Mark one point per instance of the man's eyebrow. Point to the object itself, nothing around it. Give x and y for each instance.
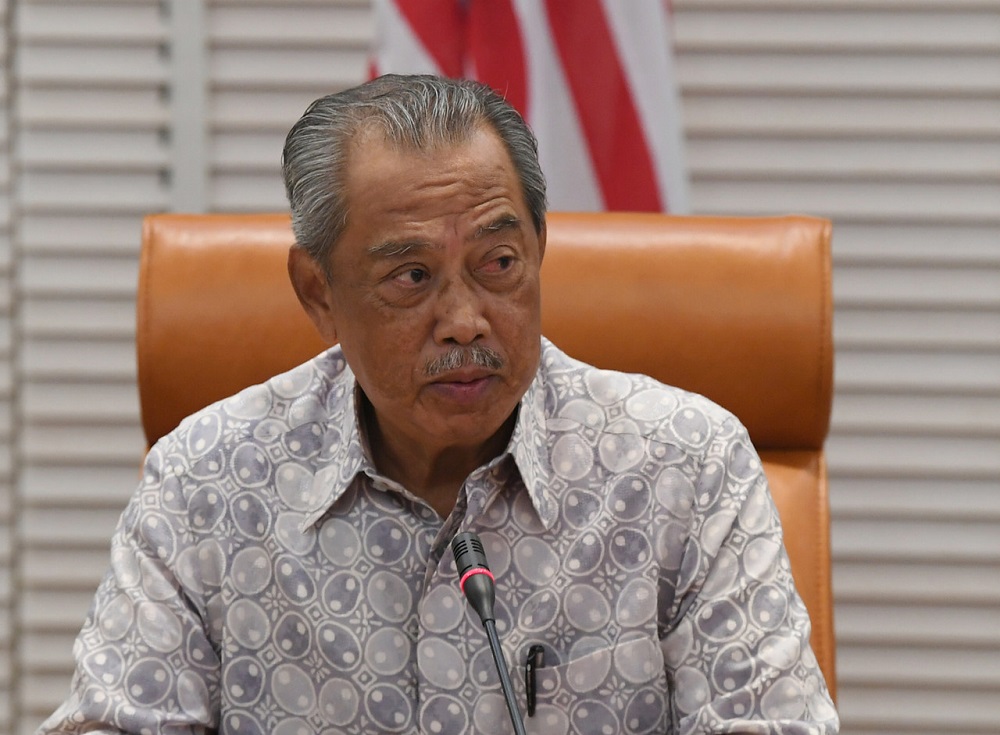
(394, 248)
(501, 223)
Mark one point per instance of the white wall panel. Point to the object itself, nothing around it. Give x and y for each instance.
(92, 157)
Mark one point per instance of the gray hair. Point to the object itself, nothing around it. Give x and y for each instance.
(417, 112)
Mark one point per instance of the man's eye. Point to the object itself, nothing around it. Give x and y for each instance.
(412, 276)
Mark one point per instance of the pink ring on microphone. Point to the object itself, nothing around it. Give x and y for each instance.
(474, 570)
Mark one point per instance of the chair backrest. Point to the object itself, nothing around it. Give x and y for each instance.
(738, 309)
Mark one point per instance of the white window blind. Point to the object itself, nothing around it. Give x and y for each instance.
(91, 159)
(8, 505)
(883, 115)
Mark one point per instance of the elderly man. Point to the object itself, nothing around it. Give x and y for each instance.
(282, 567)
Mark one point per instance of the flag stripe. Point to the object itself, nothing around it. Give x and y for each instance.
(493, 25)
(440, 26)
(603, 101)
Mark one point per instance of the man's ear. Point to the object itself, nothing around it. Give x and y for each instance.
(311, 286)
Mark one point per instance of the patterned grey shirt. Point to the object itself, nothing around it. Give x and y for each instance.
(266, 579)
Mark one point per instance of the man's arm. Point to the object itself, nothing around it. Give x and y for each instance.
(144, 660)
(737, 647)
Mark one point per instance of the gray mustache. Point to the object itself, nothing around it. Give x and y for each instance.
(459, 357)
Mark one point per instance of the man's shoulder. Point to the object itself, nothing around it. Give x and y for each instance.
(629, 402)
(314, 392)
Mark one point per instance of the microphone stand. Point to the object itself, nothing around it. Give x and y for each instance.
(476, 582)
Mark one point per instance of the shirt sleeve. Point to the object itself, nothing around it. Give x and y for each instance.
(145, 662)
(737, 647)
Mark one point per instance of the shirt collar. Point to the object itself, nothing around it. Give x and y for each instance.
(345, 453)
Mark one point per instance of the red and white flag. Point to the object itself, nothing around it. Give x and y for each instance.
(594, 79)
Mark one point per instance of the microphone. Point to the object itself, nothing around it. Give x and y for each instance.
(476, 582)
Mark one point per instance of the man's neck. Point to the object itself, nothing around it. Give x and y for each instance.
(434, 474)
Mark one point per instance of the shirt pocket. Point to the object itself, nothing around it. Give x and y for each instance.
(608, 691)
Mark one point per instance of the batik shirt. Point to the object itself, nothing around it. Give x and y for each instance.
(265, 578)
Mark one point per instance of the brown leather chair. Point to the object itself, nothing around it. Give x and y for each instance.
(736, 309)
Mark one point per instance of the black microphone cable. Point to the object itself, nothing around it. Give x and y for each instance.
(476, 582)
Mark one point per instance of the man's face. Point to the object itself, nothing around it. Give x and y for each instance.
(439, 257)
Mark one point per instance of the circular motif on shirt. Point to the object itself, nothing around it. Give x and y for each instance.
(252, 403)
(441, 609)
(251, 516)
(645, 711)
(636, 604)
(293, 726)
(389, 708)
(303, 441)
(387, 541)
(206, 508)
(115, 619)
(286, 530)
(291, 635)
(678, 645)
(582, 412)
(675, 492)
(628, 498)
(338, 702)
(639, 660)
(250, 466)
(159, 627)
(607, 387)
(732, 668)
(691, 689)
(154, 584)
(572, 458)
(294, 484)
(148, 681)
(743, 463)
(785, 700)
(535, 560)
(629, 549)
(198, 651)
(735, 705)
(293, 579)
(497, 551)
(594, 716)
(691, 427)
(250, 571)
(192, 696)
(244, 723)
(539, 611)
(387, 651)
(389, 597)
(441, 663)
(721, 620)
(621, 451)
(768, 607)
(443, 715)
(293, 689)
(759, 557)
(652, 405)
(586, 608)
(779, 651)
(585, 555)
(293, 383)
(160, 536)
(203, 435)
(581, 507)
(342, 592)
(723, 576)
(339, 645)
(103, 665)
(339, 541)
(248, 624)
(755, 515)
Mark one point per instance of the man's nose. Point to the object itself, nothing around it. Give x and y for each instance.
(460, 314)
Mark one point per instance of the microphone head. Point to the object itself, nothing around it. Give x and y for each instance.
(474, 575)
